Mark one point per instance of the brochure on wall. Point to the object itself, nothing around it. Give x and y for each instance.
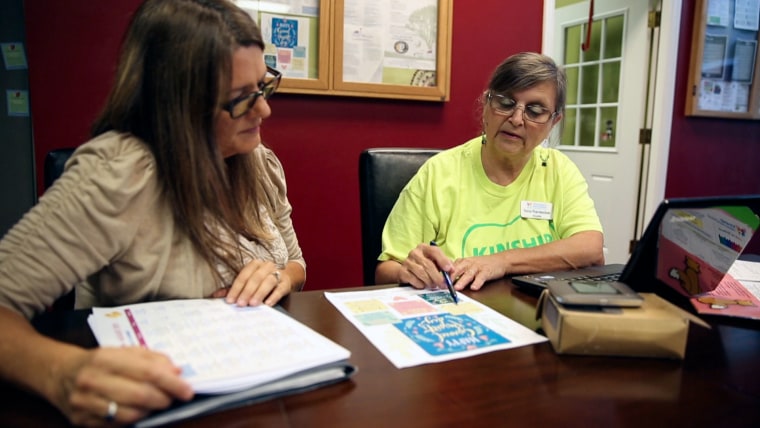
(286, 26)
(412, 327)
(14, 57)
(747, 15)
(718, 12)
(287, 44)
(714, 56)
(17, 102)
(394, 44)
(744, 60)
(719, 95)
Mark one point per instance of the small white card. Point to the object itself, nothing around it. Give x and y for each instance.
(537, 210)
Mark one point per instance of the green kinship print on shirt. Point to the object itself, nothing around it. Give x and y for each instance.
(483, 239)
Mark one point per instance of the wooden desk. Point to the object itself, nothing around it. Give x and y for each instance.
(718, 384)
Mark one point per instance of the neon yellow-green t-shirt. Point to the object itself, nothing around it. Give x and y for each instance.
(452, 201)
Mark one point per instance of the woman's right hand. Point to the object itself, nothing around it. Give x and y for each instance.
(422, 267)
(138, 380)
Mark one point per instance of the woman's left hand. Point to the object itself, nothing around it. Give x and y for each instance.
(258, 282)
(475, 271)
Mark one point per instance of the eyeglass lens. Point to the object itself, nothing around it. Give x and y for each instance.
(243, 104)
(507, 106)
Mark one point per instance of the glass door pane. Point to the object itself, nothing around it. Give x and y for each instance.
(593, 83)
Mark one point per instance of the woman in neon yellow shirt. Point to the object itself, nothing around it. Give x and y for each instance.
(500, 203)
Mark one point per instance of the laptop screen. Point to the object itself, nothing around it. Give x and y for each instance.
(690, 243)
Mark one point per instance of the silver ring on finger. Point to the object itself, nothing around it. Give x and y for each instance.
(113, 407)
(276, 274)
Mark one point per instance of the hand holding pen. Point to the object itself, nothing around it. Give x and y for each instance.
(423, 268)
(447, 278)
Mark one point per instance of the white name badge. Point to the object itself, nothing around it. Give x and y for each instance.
(537, 210)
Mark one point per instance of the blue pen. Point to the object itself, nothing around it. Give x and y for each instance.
(447, 278)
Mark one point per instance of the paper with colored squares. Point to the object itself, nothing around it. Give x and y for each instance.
(412, 327)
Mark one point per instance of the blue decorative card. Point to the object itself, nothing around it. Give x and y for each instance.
(442, 334)
(284, 32)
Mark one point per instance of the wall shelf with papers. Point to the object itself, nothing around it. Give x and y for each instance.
(363, 48)
(724, 67)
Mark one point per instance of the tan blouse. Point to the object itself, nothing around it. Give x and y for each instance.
(105, 227)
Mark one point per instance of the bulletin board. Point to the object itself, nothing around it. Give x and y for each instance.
(364, 48)
(724, 68)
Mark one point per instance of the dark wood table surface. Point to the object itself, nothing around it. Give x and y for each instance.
(717, 384)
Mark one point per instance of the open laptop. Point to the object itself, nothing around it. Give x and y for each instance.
(689, 244)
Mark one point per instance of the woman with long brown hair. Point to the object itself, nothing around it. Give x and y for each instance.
(173, 197)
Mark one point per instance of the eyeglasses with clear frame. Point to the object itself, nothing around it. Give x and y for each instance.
(241, 105)
(506, 106)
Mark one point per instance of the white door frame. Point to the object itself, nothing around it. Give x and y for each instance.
(662, 103)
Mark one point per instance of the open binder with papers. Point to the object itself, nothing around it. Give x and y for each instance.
(232, 356)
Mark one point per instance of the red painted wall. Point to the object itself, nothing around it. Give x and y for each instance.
(72, 48)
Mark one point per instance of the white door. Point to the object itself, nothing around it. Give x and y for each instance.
(607, 87)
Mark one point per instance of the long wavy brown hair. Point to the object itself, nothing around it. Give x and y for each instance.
(173, 74)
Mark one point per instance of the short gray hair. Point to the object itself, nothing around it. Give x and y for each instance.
(527, 69)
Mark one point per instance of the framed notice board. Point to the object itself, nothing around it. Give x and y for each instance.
(724, 68)
(363, 48)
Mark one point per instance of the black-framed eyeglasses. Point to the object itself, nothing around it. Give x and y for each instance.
(506, 106)
(239, 106)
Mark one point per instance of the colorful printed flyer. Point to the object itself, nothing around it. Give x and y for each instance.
(737, 295)
(13, 56)
(17, 102)
(413, 327)
(731, 299)
(698, 246)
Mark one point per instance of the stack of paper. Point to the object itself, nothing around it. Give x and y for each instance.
(245, 353)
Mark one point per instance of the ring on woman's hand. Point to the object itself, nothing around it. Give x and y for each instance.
(277, 275)
(113, 407)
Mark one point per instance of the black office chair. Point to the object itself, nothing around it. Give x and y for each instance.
(55, 160)
(383, 172)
